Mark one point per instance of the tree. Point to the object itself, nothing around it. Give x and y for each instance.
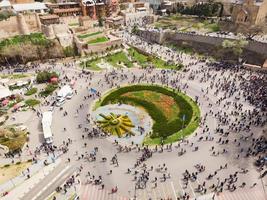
(180, 7)
(100, 22)
(135, 29)
(236, 46)
(253, 31)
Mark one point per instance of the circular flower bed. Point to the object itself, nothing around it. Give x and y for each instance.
(174, 114)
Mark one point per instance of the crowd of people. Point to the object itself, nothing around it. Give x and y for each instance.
(233, 102)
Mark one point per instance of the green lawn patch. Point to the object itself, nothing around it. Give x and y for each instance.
(145, 60)
(92, 65)
(186, 23)
(31, 91)
(116, 60)
(138, 57)
(164, 105)
(98, 40)
(14, 76)
(32, 102)
(50, 88)
(89, 35)
(33, 38)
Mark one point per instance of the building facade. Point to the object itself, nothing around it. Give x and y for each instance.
(250, 13)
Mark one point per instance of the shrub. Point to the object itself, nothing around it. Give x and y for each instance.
(45, 76)
(69, 51)
(50, 88)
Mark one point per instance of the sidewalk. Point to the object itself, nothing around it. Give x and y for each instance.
(21, 185)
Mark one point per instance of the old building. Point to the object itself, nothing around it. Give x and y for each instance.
(114, 22)
(65, 9)
(93, 8)
(136, 13)
(250, 12)
(49, 19)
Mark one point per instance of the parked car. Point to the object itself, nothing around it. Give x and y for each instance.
(60, 102)
(20, 70)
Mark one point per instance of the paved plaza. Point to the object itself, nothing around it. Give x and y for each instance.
(214, 162)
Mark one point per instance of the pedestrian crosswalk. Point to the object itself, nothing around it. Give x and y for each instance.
(249, 194)
(167, 190)
(164, 190)
(94, 192)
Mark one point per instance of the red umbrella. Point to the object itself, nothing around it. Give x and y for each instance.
(5, 102)
(72, 83)
(16, 106)
(54, 80)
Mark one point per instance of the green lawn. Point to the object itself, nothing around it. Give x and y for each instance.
(33, 38)
(114, 59)
(31, 91)
(158, 63)
(50, 88)
(89, 34)
(164, 105)
(14, 76)
(118, 58)
(186, 24)
(138, 57)
(32, 102)
(92, 65)
(145, 60)
(98, 40)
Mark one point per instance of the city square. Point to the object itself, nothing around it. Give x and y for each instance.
(132, 114)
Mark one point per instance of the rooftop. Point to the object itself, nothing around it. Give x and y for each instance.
(45, 17)
(5, 3)
(29, 6)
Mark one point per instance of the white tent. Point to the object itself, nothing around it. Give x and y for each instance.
(64, 91)
(4, 92)
(5, 4)
(23, 7)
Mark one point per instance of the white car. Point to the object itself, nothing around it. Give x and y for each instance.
(69, 96)
(60, 102)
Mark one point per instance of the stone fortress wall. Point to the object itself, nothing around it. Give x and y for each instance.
(10, 27)
(162, 36)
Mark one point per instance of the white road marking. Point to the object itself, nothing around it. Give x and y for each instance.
(173, 189)
(50, 183)
(191, 189)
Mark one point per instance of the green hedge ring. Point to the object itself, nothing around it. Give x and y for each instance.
(175, 115)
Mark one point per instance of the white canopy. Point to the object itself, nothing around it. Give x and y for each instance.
(5, 4)
(29, 6)
(64, 91)
(4, 92)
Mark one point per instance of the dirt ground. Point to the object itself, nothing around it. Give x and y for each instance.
(7, 173)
